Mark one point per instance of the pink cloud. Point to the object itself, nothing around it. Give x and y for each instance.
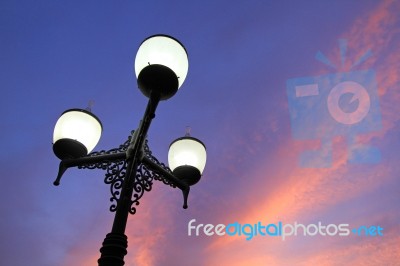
(367, 252)
(287, 192)
(306, 193)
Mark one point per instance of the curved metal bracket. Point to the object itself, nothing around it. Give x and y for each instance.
(114, 161)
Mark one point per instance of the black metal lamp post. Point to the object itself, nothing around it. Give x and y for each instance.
(161, 66)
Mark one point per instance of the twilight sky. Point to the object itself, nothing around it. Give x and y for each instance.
(245, 60)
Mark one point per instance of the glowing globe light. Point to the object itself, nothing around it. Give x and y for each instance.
(76, 134)
(161, 66)
(187, 158)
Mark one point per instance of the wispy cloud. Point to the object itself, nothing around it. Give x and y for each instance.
(307, 193)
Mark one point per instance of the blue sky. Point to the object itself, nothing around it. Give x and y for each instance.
(57, 55)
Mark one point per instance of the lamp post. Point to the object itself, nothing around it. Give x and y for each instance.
(161, 66)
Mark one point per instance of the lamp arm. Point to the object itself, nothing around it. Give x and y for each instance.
(115, 161)
(61, 170)
(90, 161)
(169, 177)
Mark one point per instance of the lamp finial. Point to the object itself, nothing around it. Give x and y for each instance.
(188, 129)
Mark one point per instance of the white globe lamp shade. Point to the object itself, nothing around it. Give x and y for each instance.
(187, 158)
(161, 66)
(76, 134)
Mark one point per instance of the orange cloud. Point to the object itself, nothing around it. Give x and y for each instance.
(304, 193)
(289, 193)
(371, 251)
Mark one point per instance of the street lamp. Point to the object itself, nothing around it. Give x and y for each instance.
(161, 67)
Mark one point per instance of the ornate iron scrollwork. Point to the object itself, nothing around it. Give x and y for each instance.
(115, 178)
(105, 164)
(158, 176)
(144, 178)
(116, 171)
(143, 182)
